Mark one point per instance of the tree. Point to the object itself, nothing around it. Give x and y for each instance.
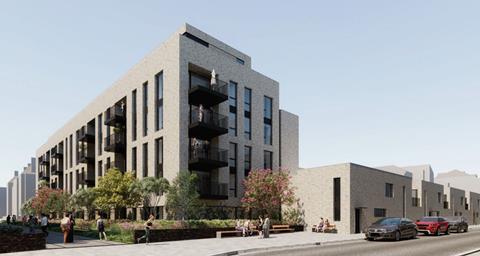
(151, 188)
(84, 198)
(48, 200)
(27, 207)
(267, 190)
(116, 190)
(182, 197)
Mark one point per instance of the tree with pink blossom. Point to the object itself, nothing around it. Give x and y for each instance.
(266, 191)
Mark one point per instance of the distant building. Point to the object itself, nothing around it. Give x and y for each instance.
(459, 179)
(20, 189)
(3, 202)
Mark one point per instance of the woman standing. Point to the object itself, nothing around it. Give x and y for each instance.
(70, 231)
(148, 225)
(260, 227)
(65, 226)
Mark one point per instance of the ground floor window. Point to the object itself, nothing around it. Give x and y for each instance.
(379, 212)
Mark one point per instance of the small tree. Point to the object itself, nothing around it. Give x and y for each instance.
(84, 198)
(151, 189)
(116, 190)
(27, 207)
(267, 190)
(48, 200)
(182, 198)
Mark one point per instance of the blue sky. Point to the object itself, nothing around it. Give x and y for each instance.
(374, 82)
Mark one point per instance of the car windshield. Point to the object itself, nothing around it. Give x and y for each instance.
(429, 219)
(453, 218)
(388, 221)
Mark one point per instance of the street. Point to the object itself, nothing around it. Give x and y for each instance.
(445, 245)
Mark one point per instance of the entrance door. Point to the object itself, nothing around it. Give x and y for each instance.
(357, 220)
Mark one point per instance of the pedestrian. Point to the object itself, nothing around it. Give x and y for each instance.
(25, 220)
(44, 224)
(266, 227)
(260, 227)
(101, 228)
(31, 224)
(319, 227)
(65, 226)
(148, 225)
(8, 219)
(14, 219)
(71, 229)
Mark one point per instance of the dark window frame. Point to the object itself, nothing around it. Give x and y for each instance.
(134, 115)
(336, 199)
(145, 108)
(159, 90)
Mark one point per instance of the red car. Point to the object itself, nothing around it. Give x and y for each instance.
(433, 225)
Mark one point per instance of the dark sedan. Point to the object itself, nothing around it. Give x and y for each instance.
(391, 228)
(458, 224)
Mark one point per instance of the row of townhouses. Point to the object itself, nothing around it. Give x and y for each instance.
(354, 196)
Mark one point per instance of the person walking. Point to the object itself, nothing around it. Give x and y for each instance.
(260, 227)
(44, 224)
(101, 228)
(31, 224)
(14, 219)
(70, 230)
(65, 226)
(266, 227)
(8, 219)
(148, 225)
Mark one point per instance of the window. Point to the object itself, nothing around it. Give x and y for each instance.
(240, 61)
(247, 122)
(108, 165)
(70, 187)
(388, 190)
(439, 197)
(71, 150)
(232, 100)
(232, 163)
(145, 160)
(66, 156)
(134, 115)
(267, 120)
(247, 160)
(461, 200)
(100, 135)
(336, 199)
(159, 158)
(159, 101)
(100, 166)
(267, 159)
(379, 212)
(77, 148)
(77, 177)
(145, 109)
(134, 159)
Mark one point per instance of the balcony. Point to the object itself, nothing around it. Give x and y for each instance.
(85, 158)
(53, 185)
(44, 161)
(115, 116)
(213, 191)
(42, 175)
(115, 143)
(206, 124)
(86, 136)
(56, 170)
(206, 158)
(466, 206)
(208, 95)
(57, 153)
(415, 202)
(445, 205)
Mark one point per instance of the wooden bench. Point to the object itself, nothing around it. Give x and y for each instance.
(229, 233)
(281, 228)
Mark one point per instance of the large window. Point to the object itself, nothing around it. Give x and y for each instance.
(388, 190)
(159, 158)
(100, 168)
(134, 159)
(336, 199)
(134, 115)
(145, 108)
(267, 159)
(100, 135)
(71, 151)
(247, 121)
(439, 197)
(159, 101)
(232, 163)
(267, 120)
(247, 165)
(379, 212)
(232, 100)
(145, 160)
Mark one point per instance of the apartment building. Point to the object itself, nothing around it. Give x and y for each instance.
(21, 188)
(473, 206)
(3, 202)
(193, 104)
(459, 179)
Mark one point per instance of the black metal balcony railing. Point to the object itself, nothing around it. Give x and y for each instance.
(206, 124)
(212, 190)
(55, 169)
(53, 185)
(445, 205)
(415, 201)
(57, 153)
(205, 158)
(208, 95)
(43, 175)
(115, 143)
(44, 161)
(86, 136)
(86, 157)
(115, 116)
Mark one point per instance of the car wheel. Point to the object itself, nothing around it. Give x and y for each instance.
(397, 236)
(414, 234)
(458, 229)
(447, 232)
(437, 232)
(466, 229)
(370, 239)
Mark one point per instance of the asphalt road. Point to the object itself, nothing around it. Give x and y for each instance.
(445, 245)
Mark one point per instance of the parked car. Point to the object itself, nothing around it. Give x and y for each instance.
(391, 228)
(457, 224)
(433, 225)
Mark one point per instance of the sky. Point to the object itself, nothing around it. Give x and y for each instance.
(373, 82)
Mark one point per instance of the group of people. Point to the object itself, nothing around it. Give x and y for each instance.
(248, 227)
(322, 225)
(67, 224)
(31, 221)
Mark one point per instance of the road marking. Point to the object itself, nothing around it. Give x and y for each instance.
(469, 252)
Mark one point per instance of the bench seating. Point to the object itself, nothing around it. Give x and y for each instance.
(281, 228)
(235, 233)
(332, 228)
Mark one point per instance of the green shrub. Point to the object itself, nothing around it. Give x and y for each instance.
(10, 229)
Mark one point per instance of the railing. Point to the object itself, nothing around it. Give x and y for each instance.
(57, 152)
(415, 201)
(212, 189)
(209, 117)
(220, 86)
(445, 205)
(206, 152)
(84, 156)
(114, 113)
(115, 139)
(54, 169)
(86, 135)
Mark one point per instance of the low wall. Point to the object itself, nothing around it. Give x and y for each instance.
(21, 242)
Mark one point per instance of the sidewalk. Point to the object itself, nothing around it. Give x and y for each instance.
(55, 241)
(211, 246)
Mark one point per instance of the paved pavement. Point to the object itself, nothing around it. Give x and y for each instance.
(211, 246)
(445, 245)
(55, 241)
